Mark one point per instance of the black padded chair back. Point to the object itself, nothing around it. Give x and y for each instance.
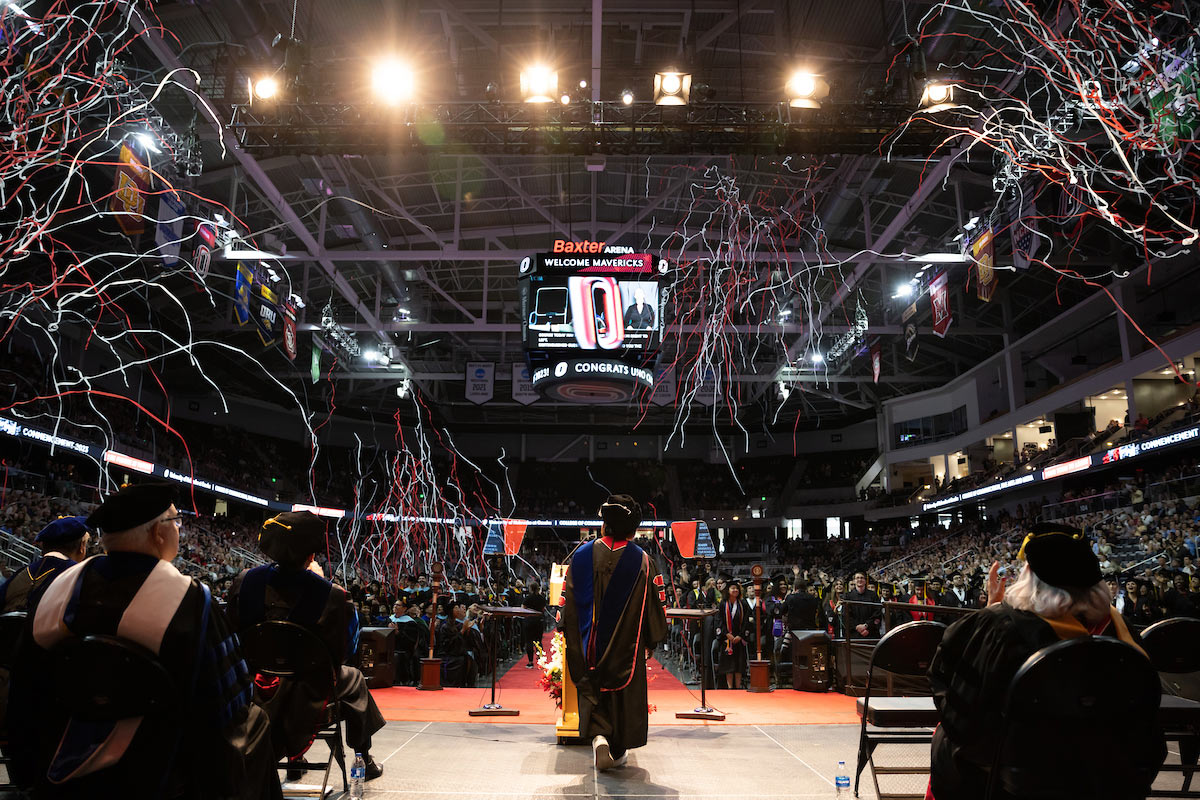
(286, 650)
(106, 678)
(12, 626)
(908, 649)
(1173, 645)
(1072, 706)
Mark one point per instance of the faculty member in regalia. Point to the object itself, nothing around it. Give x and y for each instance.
(216, 745)
(292, 589)
(64, 543)
(1059, 595)
(612, 616)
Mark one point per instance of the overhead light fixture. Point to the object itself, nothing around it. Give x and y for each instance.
(583, 84)
(266, 87)
(672, 88)
(806, 90)
(904, 290)
(971, 223)
(940, 258)
(144, 139)
(817, 358)
(627, 97)
(565, 99)
(393, 81)
(937, 96)
(539, 84)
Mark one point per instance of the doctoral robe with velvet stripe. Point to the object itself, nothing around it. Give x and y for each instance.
(970, 675)
(611, 616)
(224, 749)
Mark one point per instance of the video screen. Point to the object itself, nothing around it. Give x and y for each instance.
(591, 312)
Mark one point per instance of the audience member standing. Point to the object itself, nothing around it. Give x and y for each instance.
(733, 632)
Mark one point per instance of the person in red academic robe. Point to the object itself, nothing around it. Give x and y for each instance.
(612, 615)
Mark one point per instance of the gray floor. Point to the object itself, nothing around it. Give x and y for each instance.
(443, 761)
(485, 761)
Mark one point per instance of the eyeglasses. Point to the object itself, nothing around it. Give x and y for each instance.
(178, 518)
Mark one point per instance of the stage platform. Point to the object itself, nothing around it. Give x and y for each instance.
(449, 761)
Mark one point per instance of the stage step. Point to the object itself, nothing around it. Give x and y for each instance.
(900, 770)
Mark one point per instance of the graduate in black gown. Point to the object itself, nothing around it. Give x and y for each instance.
(612, 616)
(733, 632)
(293, 589)
(64, 543)
(216, 746)
(1059, 595)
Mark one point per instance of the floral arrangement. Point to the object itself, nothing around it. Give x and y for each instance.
(551, 666)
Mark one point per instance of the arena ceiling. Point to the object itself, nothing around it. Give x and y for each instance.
(409, 224)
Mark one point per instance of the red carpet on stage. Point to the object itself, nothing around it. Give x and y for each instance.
(518, 688)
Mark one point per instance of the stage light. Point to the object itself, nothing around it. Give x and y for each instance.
(539, 84)
(937, 96)
(817, 358)
(904, 290)
(806, 90)
(672, 88)
(393, 82)
(147, 142)
(565, 99)
(266, 87)
(583, 84)
(627, 97)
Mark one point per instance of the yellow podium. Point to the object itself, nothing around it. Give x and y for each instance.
(567, 727)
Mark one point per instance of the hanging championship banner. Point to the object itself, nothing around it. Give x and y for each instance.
(983, 252)
(243, 284)
(664, 386)
(910, 340)
(939, 296)
(129, 193)
(168, 235)
(481, 379)
(264, 309)
(289, 331)
(522, 387)
(876, 360)
(314, 366)
(206, 242)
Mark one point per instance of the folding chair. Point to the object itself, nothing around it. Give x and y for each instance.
(289, 651)
(11, 626)
(1056, 734)
(1173, 646)
(121, 681)
(906, 650)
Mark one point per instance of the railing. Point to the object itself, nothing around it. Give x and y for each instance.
(15, 550)
(251, 559)
(1182, 486)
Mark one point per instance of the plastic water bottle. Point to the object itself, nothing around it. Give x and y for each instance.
(841, 781)
(358, 777)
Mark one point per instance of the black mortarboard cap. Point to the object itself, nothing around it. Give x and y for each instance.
(1061, 556)
(291, 537)
(132, 506)
(63, 530)
(622, 514)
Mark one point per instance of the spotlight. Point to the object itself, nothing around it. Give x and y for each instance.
(565, 99)
(806, 90)
(144, 139)
(817, 358)
(393, 82)
(904, 290)
(492, 91)
(539, 84)
(627, 97)
(583, 84)
(672, 88)
(266, 87)
(938, 96)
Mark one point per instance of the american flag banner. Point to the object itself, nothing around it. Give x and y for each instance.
(1024, 231)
